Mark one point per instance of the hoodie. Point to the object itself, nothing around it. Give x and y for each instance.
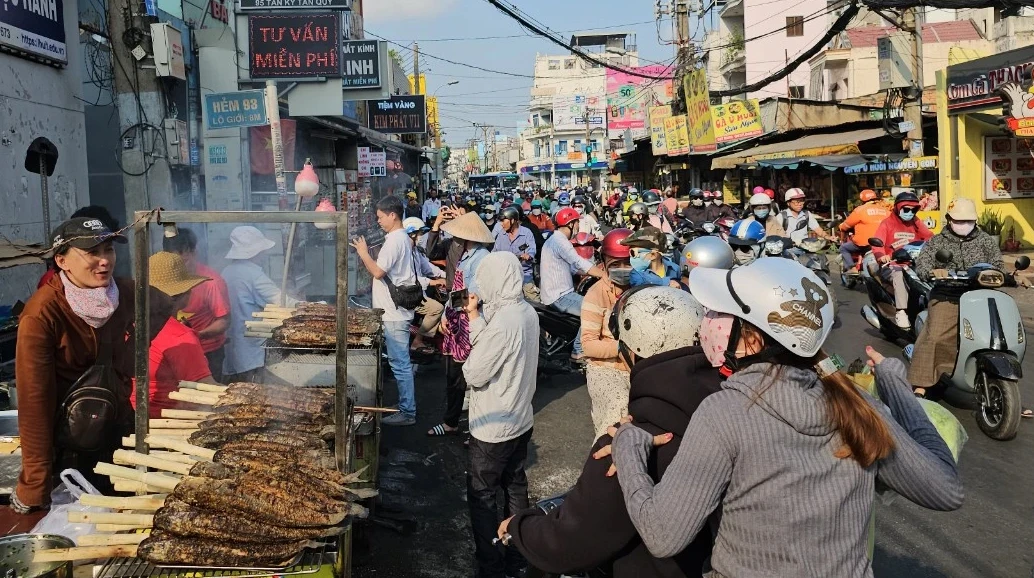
(503, 362)
(763, 449)
(592, 527)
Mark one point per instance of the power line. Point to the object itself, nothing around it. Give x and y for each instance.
(528, 35)
(422, 53)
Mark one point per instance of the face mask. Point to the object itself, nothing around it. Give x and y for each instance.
(744, 258)
(489, 216)
(620, 276)
(580, 210)
(639, 263)
(536, 212)
(717, 202)
(906, 216)
(707, 203)
(963, 228)
(761, 213)
(698, 202)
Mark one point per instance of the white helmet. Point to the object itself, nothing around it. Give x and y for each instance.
(413, 225)
(652, 319)
(780, 297)
(794, 193)
(708, 251)
(760, 199)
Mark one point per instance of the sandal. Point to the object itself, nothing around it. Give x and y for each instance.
(441, 430)
(1027, 413)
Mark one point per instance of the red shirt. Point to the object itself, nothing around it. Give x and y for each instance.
(896, 233)
(208, 301)
(175, 356)
(46, 277)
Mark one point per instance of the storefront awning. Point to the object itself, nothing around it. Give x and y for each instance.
(828, 162)
(813, 145)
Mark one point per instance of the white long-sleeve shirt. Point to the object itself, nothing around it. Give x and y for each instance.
(430, 209)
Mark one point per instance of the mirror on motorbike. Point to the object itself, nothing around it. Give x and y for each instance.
(1022, 263)
(901, 256)
(943, 256)
(874, 242)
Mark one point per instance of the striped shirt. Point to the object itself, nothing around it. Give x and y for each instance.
(598, 343)
(559, 261)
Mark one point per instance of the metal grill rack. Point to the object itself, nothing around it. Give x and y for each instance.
(308, 562)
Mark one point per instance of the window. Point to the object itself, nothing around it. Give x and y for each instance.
(554, 65)
(795, 25)
(538, 149)
(569, 64)
(561, 148)
(797, 91)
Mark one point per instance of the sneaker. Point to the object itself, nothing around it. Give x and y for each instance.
(399, 419)
(901, 319)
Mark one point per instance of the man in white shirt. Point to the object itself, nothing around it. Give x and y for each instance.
(501, 372)
(431, 207)
(796, 221)
(395, 263)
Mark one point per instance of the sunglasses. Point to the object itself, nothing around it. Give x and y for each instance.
(908, 210)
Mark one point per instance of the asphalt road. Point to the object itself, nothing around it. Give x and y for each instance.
(422, 484)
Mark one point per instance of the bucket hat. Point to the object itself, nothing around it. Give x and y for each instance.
(469, 227)
(246, 242)
(168, 273)
(962, 210)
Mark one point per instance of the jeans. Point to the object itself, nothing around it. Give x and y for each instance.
(455, 390)
(895, 275)
(396, 340)
(572, 304)
(495, 466)
(848, 250)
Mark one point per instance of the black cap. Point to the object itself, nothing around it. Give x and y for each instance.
(83, 233)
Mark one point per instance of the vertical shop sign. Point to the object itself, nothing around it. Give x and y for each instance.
(698, 111)
(658, 138)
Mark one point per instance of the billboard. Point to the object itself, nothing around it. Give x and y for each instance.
(294, 45)
(360, 64)
(736, 120)
(36, 28)
(676, 135)
(569, 111)
(698, 111)
(398, 115)
(658, 136)
(629, 97)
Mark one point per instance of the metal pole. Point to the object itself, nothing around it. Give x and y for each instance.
(277, 140)
(914, 107)
(420, 137)
(45, 191)
(142, 335)
(287, 253)
(342, 404)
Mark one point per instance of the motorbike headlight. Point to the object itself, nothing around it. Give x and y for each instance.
(774, 247)
(967, 329)
(708, 227)
(990, 278)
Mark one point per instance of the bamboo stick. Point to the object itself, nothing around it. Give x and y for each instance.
(139, 520)
(114, 527)
(111, 539)
(175, 433)
(151, 502)
(84, 553)
(172, 423)
(163, 481)
(262, 324)
(376, 409)
(180, 446)
(153, 462)
(185, 414)
(198, 397)
(129, 486)
(212, 388)
(259, 334)
(279, 315)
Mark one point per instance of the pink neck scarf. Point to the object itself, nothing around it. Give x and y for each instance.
(94, 306)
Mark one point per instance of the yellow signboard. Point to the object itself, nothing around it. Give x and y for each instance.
(658, 139)
(423, 85)
(698, 115)
(432, 111)
(736, 120)
(676, 135)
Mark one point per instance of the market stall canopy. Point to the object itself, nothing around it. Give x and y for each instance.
(813, 145)
(828, 162)
(14, 253)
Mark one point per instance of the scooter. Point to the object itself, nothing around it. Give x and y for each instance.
(557, 333)
(881, 309)
(991, 346)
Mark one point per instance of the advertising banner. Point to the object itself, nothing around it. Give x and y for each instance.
(979, 82)
(235, 109)
(294, 45)
(360, 64)
(736, 120)
(698, 111)
(569, 111)
(398, 115)
(1008, 169)
(276, 5)
(35, 27)
(363, 156)
(676, 135)
(658, 138)
(630, 97)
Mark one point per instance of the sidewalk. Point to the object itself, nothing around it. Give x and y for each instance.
(1024, 296)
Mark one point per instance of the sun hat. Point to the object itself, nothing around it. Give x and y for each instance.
(83, 233)
(469, 227)
(962, 210)
(168, 274)
(246, 242)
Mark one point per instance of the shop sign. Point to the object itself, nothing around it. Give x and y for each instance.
(294, 45)
(736, 120)
(571, 110)
(360, 64)
(398, 115)
(35, 27)
(235, 109)
(908, 164)
(676, 135)
(363, 154)
(1008, 168)
(378, 164)
(978, 82)
(275, 5)
(698, 112)
(658, 138)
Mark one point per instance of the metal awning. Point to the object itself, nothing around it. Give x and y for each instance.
(14, 253)
(813, 145)
(828, 162)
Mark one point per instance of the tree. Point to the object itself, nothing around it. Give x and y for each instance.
(394, 54)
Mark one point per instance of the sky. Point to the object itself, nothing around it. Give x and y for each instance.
(469, 31)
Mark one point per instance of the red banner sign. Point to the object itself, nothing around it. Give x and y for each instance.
(295, 45)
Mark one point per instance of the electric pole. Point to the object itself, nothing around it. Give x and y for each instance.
(588, 148)
(419, 137)
(913, 112)
(686, 57)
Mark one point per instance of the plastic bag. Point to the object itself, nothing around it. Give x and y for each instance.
(65, 499)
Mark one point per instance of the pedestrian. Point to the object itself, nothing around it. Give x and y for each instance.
(501, 371)
(250, 290)
(517, 239)
(790, 448)
(396, 266)
(430, 208)
(413, 207)
(81, 317)
(89, 211)
(207, 311)
(558, 260)
(470, 240)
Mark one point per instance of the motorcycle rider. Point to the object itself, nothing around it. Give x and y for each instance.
(656, 216)
(636, 217)
(539, 218)
(761, 211)
(695, 212)
(896, 231)
(558, 261)
(488, 213)
(798, 221)
(790, 448)
(650, 266)
(631, 198)
(517, 239)
(718, 209)
(937, 344)
(587, 223)
(670, 377)
(709, 251)
(563, 200)
(747, 238)
(864, 220)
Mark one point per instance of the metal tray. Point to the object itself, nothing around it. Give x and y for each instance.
(307, 562)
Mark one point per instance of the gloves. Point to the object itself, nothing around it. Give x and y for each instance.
(939, 273)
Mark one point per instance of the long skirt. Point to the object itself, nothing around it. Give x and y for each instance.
(608, 391)
(937, 345)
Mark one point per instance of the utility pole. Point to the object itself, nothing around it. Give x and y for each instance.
(913, 112)
(685, 56)
(587, 147)
(419, 137)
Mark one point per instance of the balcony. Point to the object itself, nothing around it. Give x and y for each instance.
(1013, 32)
(732, 9)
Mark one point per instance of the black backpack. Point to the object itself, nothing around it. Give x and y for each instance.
(95, 409)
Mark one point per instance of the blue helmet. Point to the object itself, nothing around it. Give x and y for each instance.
(563, 199)
(746, 232)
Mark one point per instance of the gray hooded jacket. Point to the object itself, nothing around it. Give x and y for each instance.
(789, 506)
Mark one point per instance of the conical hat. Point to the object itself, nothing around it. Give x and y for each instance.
(469, 227)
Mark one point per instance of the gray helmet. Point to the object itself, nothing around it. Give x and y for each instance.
(637, 209)
(709, 252)
(512, 212)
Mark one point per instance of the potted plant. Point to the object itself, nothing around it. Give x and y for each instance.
(1012, 244)
(991, 222)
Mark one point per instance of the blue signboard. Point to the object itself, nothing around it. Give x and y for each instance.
(36, 28)
(235, 109)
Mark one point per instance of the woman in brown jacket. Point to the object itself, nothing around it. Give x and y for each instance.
(59, 334)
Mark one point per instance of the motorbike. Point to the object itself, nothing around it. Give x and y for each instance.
(810, 253)
(991, 347)
(881, 309)
(557, 333)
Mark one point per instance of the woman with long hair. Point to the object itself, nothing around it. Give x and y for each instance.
(790, 448)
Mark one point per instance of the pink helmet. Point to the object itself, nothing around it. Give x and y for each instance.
(758, 189)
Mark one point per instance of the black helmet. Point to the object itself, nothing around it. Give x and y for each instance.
(906, 198)
(512, 212)
(651, 198)
(696, 193)
(578, 200)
